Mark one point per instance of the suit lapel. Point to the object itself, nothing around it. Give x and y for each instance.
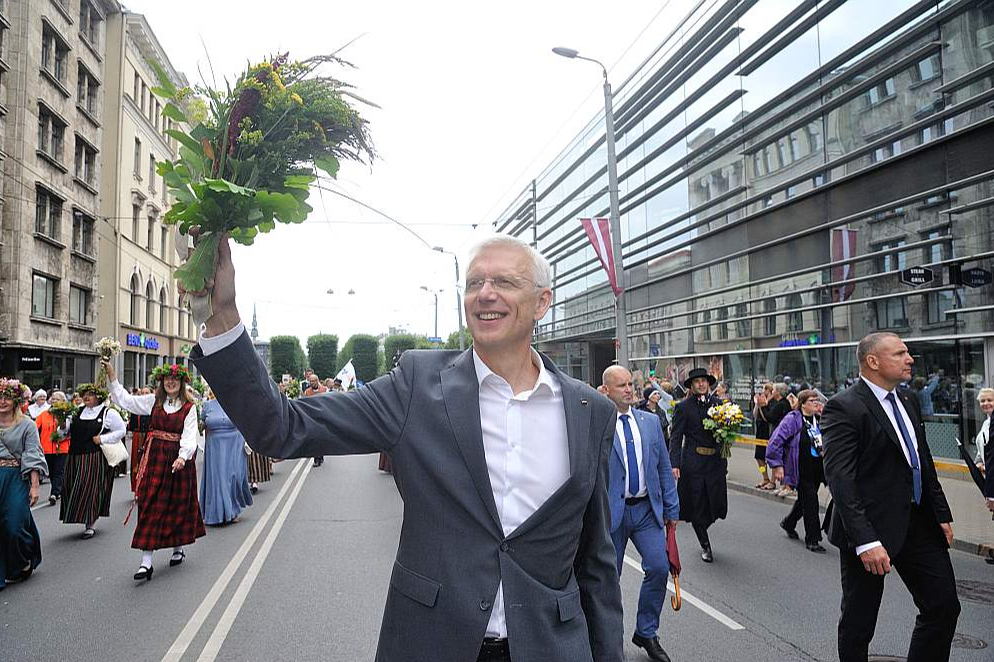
(871, 402)
(643, 434)
(461, 395)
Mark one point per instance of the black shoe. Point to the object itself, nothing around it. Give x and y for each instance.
(144, 573)
(652, 648)
(791, 533)
(51, 500)
(177, 558)
(707, 555)
(254, 488)
(815, 547)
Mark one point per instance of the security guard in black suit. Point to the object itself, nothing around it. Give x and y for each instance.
(699, 468)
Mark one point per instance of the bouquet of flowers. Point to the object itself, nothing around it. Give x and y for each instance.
(251, 160)
(108, 348)
(724, 421)
(292, 389)
(61, 411)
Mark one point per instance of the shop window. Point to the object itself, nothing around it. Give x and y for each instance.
(79, 305)
(130, 369)
(43, 291)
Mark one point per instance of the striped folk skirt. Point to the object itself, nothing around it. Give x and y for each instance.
(168, 509)
(260, 468)
(86, 489)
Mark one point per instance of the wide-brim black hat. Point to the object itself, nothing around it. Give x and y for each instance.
(699, 372)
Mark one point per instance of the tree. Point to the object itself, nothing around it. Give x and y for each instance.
(285, 357)
(322, 354)
(344, 355)
(364, 356)
(395, 345)
(453, 340)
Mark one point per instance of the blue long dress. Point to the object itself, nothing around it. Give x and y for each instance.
(225, 489)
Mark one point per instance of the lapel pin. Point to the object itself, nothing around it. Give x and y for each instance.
(583, 402)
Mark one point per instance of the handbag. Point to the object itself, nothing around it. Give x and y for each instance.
(114, 453)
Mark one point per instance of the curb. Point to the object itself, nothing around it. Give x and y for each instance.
(967, 546)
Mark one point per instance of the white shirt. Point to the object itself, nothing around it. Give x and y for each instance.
(143, 404)
(35, 410)
(113, 423)
(524, 439)
(881, 395)
(619, 428)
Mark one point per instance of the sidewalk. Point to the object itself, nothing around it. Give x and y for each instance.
(972, 523)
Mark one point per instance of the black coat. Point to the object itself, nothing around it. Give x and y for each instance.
(868, 474)
(702, 487)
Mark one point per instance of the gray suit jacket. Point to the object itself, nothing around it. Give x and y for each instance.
(561, 591)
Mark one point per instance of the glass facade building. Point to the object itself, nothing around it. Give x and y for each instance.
(780, 164)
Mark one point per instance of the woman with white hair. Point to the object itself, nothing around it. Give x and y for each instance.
(986, 399)
(55, 445)
(40, 404)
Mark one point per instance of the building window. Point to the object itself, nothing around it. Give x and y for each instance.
(138, 159)
(82, 232)
(43, 291)
(136, 211)
(54, 53)
(79, 305)
(86, 162)
(795, 147)
(151, 233)
(894, 261)
(880, 92)
(892, 313)
(151, 174)
(87, 90)
(180, 316)
(938, 251)
(137, 89)
(89, 22)
(742, 325)
(770, 321)
(927, 69)
(163, 312)
(722, 324)
(706, 329)
(149, 306)
(51, 134)
(784, 151)
(795, 318)
(163, 240)
(48, 213)
(135, 300)
(768, 163)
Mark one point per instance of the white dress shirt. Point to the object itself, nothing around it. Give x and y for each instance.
(143, 404)
(113, 423)
(881, 395)
(619, 428)
(524, 439)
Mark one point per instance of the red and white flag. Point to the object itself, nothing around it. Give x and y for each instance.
(843, 248)
(600, 239)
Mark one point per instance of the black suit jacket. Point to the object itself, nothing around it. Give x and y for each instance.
(868, 474)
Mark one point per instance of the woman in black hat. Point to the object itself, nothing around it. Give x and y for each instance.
(697, 463)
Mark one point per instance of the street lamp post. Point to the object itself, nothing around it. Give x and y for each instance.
(435, 292)
(462, 342)
(621, 318)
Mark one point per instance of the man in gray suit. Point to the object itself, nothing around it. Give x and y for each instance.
(505, 551)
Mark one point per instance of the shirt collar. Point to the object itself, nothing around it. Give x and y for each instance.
(880, 393)
(545, 377)
(630, 413)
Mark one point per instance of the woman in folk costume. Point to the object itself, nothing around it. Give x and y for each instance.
(22, 465)
(89, 480)
(166, 486)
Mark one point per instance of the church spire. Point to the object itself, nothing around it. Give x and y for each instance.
(255, 325)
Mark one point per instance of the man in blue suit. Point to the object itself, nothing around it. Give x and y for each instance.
(642, 501)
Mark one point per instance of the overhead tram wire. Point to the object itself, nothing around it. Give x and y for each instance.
(321, 187)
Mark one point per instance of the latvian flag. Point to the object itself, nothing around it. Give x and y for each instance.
(843, 248)
(600, 237)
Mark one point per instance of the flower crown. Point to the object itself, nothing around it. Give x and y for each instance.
(14, 390)
(175, 370)
(83, 389)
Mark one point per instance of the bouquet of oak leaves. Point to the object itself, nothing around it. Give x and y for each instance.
(251, 155)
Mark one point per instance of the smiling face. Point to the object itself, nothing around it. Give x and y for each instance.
(90, 400)
(6, 406)
(503, 317)
(172, 385)
(986, 402)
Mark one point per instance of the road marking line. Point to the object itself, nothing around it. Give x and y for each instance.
(189, 632)
(697, 602)
(213, 646)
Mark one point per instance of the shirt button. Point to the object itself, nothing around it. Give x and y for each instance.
(484, 604)
(504, 547)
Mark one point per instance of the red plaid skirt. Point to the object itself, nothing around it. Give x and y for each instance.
(168, 510)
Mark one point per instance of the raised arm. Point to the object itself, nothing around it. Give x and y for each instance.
(136, 404)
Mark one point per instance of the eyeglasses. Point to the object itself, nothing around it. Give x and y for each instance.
(499, 283)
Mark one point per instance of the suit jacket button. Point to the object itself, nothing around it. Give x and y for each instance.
(484, 604)
(504, 547)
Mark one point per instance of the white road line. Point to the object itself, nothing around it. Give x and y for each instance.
(697, 602)
(213, 646)
(189, 632)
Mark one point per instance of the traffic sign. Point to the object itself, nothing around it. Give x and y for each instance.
(917, 276)
(976, 277)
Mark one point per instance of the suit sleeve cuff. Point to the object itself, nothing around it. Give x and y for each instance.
(868, 546)
(213, 344)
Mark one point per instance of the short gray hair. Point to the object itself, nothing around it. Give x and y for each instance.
(985, 391)
(781, 388)
(869, 344)
(541, 271)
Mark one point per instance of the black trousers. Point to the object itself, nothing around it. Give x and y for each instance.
(494, 650)
(806, 507)
(924, 566)
(56, 471)
(702, 534)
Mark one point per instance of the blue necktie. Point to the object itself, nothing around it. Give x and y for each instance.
(633, 463)
(916, 470)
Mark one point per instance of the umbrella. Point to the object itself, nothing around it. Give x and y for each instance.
(673, 554)
(978, 477)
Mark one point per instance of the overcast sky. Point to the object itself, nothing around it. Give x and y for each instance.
(473, 105)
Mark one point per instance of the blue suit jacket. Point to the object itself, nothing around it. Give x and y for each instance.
(659, 479)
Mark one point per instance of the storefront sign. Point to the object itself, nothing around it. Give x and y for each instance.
(29, 359)
(813, 339)
(917, 276)
(976, 277)
(142, 341)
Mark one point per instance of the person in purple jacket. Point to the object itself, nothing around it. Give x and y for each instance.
(795, 453)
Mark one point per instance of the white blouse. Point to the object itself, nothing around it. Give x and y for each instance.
(143, 404)
(113, 423)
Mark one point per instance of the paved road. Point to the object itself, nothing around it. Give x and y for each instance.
(304, 577)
